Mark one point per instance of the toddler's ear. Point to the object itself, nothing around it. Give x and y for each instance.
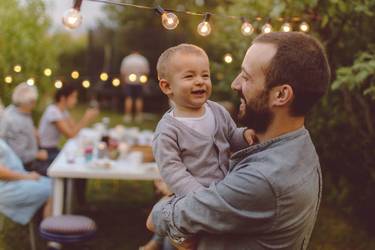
(165, 87)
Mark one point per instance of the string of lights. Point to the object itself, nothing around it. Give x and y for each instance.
(72, 18)
(75, 76)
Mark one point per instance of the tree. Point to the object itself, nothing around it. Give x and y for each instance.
(25, 41)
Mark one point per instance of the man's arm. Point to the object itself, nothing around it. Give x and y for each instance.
(172, 169)
(242, 203)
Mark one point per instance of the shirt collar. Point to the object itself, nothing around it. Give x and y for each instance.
(239, 155)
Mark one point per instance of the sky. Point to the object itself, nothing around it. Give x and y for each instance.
(91, 11)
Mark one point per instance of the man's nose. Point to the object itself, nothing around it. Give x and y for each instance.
(236, 84)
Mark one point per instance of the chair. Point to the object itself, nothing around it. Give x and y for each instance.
(67, 229)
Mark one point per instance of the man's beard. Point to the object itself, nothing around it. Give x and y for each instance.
(257, 115)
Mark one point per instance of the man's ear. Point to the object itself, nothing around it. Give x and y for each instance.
(282, 95)
(165, 87)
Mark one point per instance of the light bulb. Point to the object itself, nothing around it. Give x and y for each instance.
(247, 29)
(286, 27)
(104, 76)
(47, 72)
(30, 82)
(169, 20)
(204, 28)
(304, 27)
(58, 84)
(143, 79)
(116, 82)
(17, 68)
(132, 77)
(228, 58)
(72, 18)
(86, 84)
(267, 28)
(8, 79)
(75, 74)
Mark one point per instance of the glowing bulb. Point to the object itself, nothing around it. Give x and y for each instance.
(228, 58)
(8, 79)
(86, 84)
(104, 76)
(75, 74)
(30, 82)
(143, 79)
(116, 82)
(286, 27)
(169, 20)
(17, 68)
(58, 84)
(132, 77)
(47, 72)
(204, 28)
(247, 29)
(72, 18)
(267, 28)
(304, 27)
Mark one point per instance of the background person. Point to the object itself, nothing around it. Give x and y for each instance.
(18, 130)
(133, 67)
(56, 120)
(22, 193)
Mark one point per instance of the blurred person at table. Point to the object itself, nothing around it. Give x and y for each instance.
(18, 130)
(56, 120)
(22, 193)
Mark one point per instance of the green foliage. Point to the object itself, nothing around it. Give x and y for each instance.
(358, 77)
(24, 40)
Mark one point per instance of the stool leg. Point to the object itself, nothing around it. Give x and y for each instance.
(32, 235)
(69, 196)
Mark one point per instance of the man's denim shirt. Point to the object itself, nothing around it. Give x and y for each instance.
(268, 200)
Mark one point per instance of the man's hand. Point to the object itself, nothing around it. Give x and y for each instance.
(188, 244)
(162, 187)
(149, 224)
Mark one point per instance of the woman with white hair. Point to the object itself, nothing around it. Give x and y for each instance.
(18, 130)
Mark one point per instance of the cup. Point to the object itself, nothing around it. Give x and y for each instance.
(70, 155)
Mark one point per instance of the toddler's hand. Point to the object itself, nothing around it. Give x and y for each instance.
(250, 136)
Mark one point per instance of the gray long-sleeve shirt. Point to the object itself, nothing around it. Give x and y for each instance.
(268, 200)
(17, 129)
(189, 160)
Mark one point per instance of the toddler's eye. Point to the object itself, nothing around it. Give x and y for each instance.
(188, 76)
(206, 76)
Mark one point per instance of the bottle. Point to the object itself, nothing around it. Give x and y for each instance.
(105, 136)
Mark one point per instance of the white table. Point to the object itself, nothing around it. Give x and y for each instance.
(60, 169)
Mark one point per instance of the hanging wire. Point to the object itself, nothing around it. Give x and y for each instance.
(170, 10)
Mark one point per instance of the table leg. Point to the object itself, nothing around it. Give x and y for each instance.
(58, 196)
(69, 195)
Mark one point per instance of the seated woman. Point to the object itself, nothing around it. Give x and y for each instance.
(22, 193)
(56, 119)
(18, 130)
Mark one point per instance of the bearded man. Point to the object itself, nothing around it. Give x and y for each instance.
(270, 197)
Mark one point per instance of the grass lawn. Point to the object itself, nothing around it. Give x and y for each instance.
(120, 209)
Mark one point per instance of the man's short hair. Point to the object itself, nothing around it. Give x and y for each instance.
(65, 91)
(300, 61)
(24, 94)
(164, 59)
